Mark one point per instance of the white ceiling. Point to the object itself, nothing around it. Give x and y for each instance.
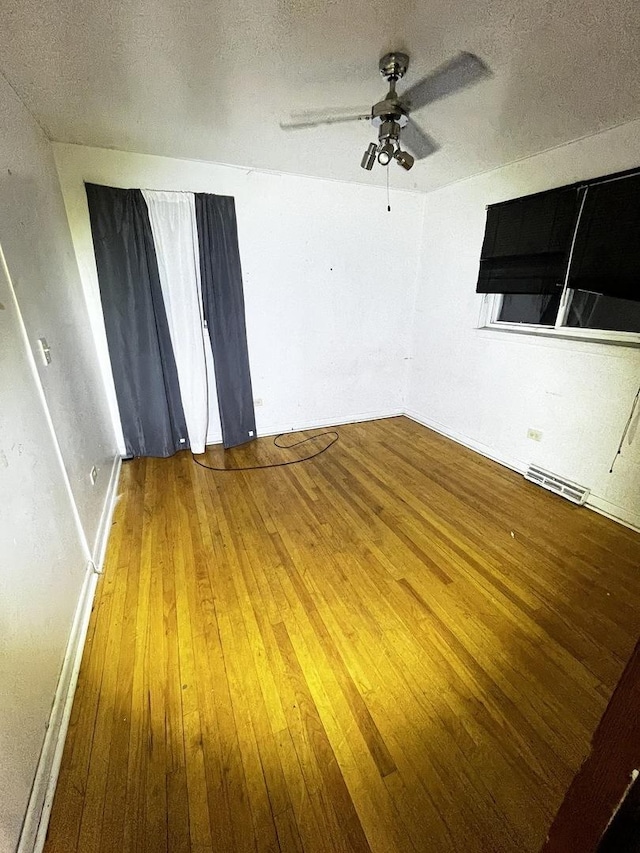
(211, 80)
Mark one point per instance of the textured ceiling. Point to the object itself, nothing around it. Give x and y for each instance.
(211, 80)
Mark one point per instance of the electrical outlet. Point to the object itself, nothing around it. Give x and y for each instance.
(534, 434)
(93, 475)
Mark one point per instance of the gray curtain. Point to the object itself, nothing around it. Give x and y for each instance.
(144, 368)
(223, 300)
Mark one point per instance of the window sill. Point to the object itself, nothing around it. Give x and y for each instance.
(625, 339)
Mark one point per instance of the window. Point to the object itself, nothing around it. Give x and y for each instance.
(584, 310)
(566, 261)
(595, 311)
(539, 309)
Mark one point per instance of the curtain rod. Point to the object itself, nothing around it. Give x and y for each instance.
(152, 190)
(155, 189)
(182, 192)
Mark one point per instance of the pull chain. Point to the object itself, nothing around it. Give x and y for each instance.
(388, 202)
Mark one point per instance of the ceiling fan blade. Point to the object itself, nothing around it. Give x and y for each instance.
(463, 70)
(329, 112)
(416, 141)
(315, 119)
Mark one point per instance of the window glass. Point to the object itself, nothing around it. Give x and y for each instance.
(537, 309)
(594, 311)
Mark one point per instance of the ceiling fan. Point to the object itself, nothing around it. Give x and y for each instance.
(392, 115)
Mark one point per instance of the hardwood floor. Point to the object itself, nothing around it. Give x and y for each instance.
(397, 646)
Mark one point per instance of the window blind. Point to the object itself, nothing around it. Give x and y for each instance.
(606, 255)
(527, 243)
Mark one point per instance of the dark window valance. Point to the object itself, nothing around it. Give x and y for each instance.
(606, 256)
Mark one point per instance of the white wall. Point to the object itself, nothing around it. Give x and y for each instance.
(39, 253)
(487, 388)
(41, 570)
(49, 508)
(327, 278)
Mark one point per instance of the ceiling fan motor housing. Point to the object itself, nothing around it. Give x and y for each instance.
(388, 110)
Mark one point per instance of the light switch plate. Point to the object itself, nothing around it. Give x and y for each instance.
(45, 350)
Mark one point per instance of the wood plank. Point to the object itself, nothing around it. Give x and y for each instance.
(397, 646)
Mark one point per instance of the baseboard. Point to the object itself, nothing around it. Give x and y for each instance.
(104, 527)
(597, 504)
(34, 829)
(301, 426)
(615, 512)
(483, 449)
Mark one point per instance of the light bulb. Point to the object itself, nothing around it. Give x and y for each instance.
(385, 154)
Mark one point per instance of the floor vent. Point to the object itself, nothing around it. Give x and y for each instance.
(565, 488)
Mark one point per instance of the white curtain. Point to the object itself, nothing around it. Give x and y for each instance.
(175, 235)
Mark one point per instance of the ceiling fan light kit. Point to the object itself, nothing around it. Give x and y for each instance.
(389, 117)
(392, 115)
